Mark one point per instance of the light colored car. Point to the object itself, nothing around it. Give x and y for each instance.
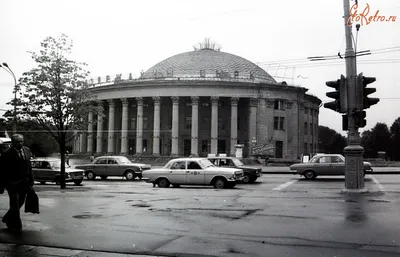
(193, 171)
(325, 165)
(49, 170)
(105, 166)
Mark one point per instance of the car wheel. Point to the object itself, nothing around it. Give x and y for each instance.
(219, 183)
(77, 182)
(90, 175)
(57, 180)
(309, 174)
(163, 182)
(129, 175)
(246, 178)
(42, 182)
(103, 177)
(252, 180)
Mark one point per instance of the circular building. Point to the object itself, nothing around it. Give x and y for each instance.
(201, 102)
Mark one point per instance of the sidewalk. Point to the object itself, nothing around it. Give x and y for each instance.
(7, 250)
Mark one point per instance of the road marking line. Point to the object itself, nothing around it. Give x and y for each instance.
(285, 185)
(377, 182)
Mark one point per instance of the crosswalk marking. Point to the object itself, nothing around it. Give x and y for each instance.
(285, 185)
(377, 183)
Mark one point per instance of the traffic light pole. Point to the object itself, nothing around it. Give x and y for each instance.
(354, 174)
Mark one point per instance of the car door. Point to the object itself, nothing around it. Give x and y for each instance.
(324, 166)
(337, 166)
(100, 167)
(45, 171)
(195, 174)
(176, 172)
(112, 168)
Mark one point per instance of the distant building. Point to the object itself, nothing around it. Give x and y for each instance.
(200, 102)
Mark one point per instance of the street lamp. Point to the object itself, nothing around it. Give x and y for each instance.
(15, 94)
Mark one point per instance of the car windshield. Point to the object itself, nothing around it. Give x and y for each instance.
(123, 159)
(237, 162)
(314, 159)
(206, 163)
(57, 164)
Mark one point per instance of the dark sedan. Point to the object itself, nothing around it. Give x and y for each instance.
(49, 170)
(105, 166)
(250, 173)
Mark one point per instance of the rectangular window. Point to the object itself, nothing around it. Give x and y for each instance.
(311, 129)
(279, 123)
(276, 122)
(145, 123)
(188, 122)
(305, 148)
(278, 105)
(305, 128)
(305, 110)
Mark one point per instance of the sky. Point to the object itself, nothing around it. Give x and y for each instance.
(128, 36)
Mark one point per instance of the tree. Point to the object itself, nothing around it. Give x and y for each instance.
(330, 141)
(55, 93)
(378, 139)
(395, 140)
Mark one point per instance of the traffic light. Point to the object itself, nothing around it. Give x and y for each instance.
(360, 120)
(362, 83)
(340, 95)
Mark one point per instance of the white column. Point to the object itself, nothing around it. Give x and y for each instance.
(252, 124)
(214, 124)
(124, 127)
(111, 132)
(156, 126)
(90, 132)
(195, 126)
(175, 126)
(139, 126)
(99, 143)
(234, 127)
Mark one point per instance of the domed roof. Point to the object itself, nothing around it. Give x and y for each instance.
(207, 63)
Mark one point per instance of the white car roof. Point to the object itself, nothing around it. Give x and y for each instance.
(188, 159)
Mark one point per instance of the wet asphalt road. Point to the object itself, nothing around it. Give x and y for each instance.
(280, 215)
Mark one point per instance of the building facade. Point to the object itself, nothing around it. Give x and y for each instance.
(201, 102)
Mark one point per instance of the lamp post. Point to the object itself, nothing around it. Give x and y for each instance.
(4, 66)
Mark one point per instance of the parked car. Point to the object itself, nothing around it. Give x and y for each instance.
(324, 165)
(105, 166)
(49, 170)
(193, 171)
(250, 174)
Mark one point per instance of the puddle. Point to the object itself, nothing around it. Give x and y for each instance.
(87, 216)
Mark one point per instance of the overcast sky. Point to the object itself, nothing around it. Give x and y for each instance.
(127, 36)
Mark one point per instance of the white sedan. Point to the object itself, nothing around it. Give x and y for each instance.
(193, 171)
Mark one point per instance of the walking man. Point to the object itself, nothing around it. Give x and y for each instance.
(16, 178)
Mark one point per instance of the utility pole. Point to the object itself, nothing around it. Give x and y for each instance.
(354, 173)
